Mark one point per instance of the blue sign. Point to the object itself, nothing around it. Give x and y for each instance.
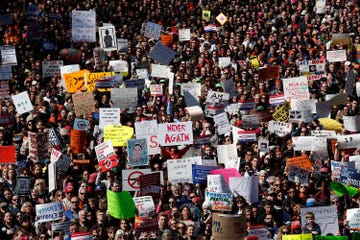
(200, 173)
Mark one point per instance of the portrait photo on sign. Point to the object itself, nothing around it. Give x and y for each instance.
(108, 38)
(137, 152)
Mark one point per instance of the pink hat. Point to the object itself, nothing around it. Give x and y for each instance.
(69, 188)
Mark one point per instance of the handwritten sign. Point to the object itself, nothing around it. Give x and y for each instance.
(279, 128)
(48, 212)
(118, 135)
(152, 30)
(91, 78)
(145, 206)
(148, 130)
(219, 201)
(296, 88)
(8, 55)
(83, 26)
(109, 116)
(184, 34)
(180, 170)
(78, 141)
(52, 68)
(75, 81)
(325, 216)
(22, 102)
(248, 187)
(172, 134)
(83, 103)
(162, 53)
(228, 226)
(336, 56)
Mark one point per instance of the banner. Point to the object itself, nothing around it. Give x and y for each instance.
(180, 170)
(78, 141)
(51, 68)
(137, 152)
(172, 134)
(106, 156)
(325, 216)
(83, 26)
(7, 154)
(49, 212)
(38, 146)
(229, 226)
(247, 187)
(145, 206)
(118, 135)
(83, 103)
(120, 204)
(296, 88)
(22, 102)
(219, 201)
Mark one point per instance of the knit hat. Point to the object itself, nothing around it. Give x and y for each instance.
(295, 225)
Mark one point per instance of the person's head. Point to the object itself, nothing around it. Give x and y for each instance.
(310, 217)
(124, 225)
(190, 230)
(120, 234)
(115, 186)
(186, 213)
(110, 231)
(137, 151)
(181, 227)
(175, 189)
(82, 216)
(82, 194)
(74, 201)
(162, 220)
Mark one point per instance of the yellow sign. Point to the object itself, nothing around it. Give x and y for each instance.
(118, 134)
(282, 114)
(92, 77)
(255, 62)
(306, 236)
(221, 18)
(206, 14)
(75, 81)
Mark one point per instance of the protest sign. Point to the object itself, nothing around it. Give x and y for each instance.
(180, 170)
(325, 216)
(148, 130)
(222, 19)
(131, 178)
(216, 183)
(4, 90)
(306, 236)
(249, 121)
(224, 62)
(340, 38)
(350, 176)
(313, 68)
(303, 143)
(230, 87)
(120, 204)
(226, 173)
(83, 103)
(297, 116)
(279, 128)
(204, 161)
(282, 114)
(302, 104)
(51, 68)
(160, 71)
(263, 145)
(214, 98)
(150, 185)
(23, 185)
(301, 161)
(323, 109)
(49, 212)
(205, 15)
(83, 26)
(75, 81)
(92, 77)
(8, 55)
(248, 187)
(227, 154)
(51, 169)
(137, 152)
(193, 90)
(78, 141)
(219, 201)
(167, 39)
(61, 226)
(296, 88)
(352, 123)
(348, 141)
(162, 54)
(68, 69)
(124, 98)
(184, 34)
(70, 55)
(22, 102)
(268, 73)
(200, 173)
(319, 237)
(108, 116)
(122, 45)
(7, 154)
(99, 57)
(38, 146)
(222, 123)
(259, 231)
(81, 124)
(353, 217)
(106, 156)
(172, 134)
(228, 226)
(118, 135)
(107, 38)
(145, 206)
(156, 90)
(63, 163)
(104, 84)
(322, 133)
(196, 113)
(145, 224)
(336, 56)
(5, 72)
(320, 6)
(299, 175)
(152, 30)
(81, 236)
(336, 99)
(120, 66)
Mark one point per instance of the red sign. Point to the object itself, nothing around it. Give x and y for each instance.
(7, 154)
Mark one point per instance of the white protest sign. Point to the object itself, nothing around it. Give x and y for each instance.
(68, 69)
(184, 34)
(49, 212)
(22, 102)
(224, 62)
(83, 26)
(193, 88)
(125, 98)
(55, 155)
(180, 170)
(336, 56)
(353, 217)
(122, 45)
(312, 68)
(320, 6)
(131, 178)
(160, 71)
(148, 130)
(227, 154)
(145, 206)
(8, 55)
(172, 134)
(51, 176)
(222, 122)
(216, 183)
(104, 151)
(250, 121)
(247, 187)
(325, 216)
(322, 133)
(358, 89)
(142, 73)
(279, 128)
(215, 98)
(296, 88)
(152, 30)
(107, 38)
(303, 143)
(348, 141)
(352, 123)
(108, 116)
(297, 174)
(302, 104)
(156, 89)
(52, 68)
(296, 116)
(119, 66)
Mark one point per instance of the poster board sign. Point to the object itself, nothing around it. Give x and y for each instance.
(172, 134)
(353, 217)
(81, 124)
(268, 73)
(320, 6)
(306, 236)
(83, 103)
(4, 90)
(221, 18)
(279, 128)
(106, 156)
(325, 216)
(148, 130)
(83, 26)
(61, 226)
(184, 34)
(299, 175)
(108, 116)
(336, 56)
(51, 68)
(302, 104)
(78, 141)
(352, 123)
(152, 30)
(5, 72)
(191, 92)
(160, 71)
(228, 226)
(68, 69)
(303, 143)
(200, 173)
(145, 206)
(107, 36)
(23, 185)
(48, 212)
(122, 204)
(156, 89)
(8, 55)
(145, 224)
(131, 178)
(150, 185)
(227, 154)
(350, 176)
(162, 54)
(38, 146)
(7, 154)
(282, 114)
(92, 77)
(22, 102)
(118, 135)
(250, 121)
(219, 201)
(214, 98)
(301, 161)
(277, 99)
(75, 81)
(81, 236)
(296, 88)
(122, 45)
(297, 116)
(247, 187)
(224, 62)
(180, 170)
(119, 66)
(312, 68)
(52, 180)
(216, 183)
(125, 98)
(137, 152)
(222, 122)
(340, 38)
(99, 57)
(348, 141)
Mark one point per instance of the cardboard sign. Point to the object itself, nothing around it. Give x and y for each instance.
(228, 226)
(269, 73)
(78, 141)
(131, 178)
(172, 134)
(180, 170)
(107, 37)
(23, 185)
(336, 56)
(148, 130)
(108, 116)
(52, 68)
(22, 102)
(152, 30)
(145, 206)
(296, 88)
(83, 103)
(38, 146)
(162, 54)
(137, 152)
(106, 156)
(325, 216)
(75, 81)
(49, 212)
(83, 26)
(118, 135)
(7, 154)
(219, 201)
(248, 187)
(150, 185)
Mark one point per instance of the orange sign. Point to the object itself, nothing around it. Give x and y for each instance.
(78, 141)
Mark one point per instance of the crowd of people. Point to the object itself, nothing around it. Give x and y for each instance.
(276, 33)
